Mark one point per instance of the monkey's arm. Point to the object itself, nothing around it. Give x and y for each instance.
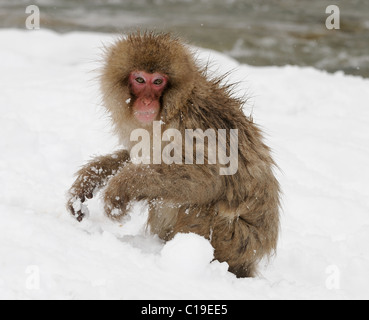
(92, 177)
(178, 184)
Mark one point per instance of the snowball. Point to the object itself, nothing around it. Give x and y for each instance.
(187, 254)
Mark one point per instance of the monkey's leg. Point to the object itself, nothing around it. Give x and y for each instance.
(238, 244)
(242, 236)
(91, 178)
(179, 185)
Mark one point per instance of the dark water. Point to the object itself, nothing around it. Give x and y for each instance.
(255, 32)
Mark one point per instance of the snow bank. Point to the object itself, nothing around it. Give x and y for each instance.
(51, 122)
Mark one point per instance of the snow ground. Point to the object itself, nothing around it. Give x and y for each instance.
(51, 122)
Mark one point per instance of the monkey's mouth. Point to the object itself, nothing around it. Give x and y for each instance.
(146, 117)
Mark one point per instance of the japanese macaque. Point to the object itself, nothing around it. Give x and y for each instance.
(150, 79)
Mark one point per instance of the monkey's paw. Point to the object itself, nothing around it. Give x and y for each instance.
(115, 206)
(77, 207)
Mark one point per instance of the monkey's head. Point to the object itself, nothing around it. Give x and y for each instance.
(146, 77)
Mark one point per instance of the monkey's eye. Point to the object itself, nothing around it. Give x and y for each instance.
(158, 82)
(140, 80)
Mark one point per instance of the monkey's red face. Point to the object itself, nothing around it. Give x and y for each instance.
(147, 88)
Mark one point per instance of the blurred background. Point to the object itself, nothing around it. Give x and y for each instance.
(256, 32)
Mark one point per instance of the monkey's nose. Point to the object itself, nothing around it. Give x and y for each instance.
(146, 101)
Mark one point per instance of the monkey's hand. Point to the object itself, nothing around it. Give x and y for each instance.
(91, 178)
(115, 199)
(76, 207)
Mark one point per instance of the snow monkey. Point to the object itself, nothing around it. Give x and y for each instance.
(150, 80)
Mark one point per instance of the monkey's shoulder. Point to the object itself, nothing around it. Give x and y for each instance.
(217, 109)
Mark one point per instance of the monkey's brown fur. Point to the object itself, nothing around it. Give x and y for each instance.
(239, 214)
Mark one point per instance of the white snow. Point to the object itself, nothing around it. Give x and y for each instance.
(51, 122)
